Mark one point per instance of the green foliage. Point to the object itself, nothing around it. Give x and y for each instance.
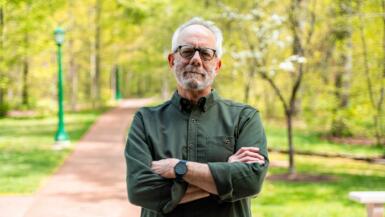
(136, 36)
(340, 129)
(4, 108)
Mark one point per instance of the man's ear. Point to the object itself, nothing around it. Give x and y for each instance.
(171, 60)
(218, 66)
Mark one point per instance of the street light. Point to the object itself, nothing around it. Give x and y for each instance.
(61, 137)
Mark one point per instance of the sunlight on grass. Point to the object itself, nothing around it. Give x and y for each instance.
(324, 198)
(310, 141)
(26, 154)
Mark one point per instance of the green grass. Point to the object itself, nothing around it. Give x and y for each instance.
(26, 154)
(307, 140)
(327, 198)
(317, 198)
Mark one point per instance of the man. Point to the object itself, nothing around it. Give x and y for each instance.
(196, 154)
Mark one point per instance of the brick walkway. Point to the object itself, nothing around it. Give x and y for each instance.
(91, 182)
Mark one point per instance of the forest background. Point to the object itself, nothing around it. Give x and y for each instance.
(314, 68)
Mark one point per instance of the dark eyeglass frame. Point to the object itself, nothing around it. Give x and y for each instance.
(199, 49)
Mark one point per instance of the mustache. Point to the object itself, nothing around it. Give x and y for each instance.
(192, 69)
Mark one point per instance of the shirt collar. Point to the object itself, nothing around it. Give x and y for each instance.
(204, 103)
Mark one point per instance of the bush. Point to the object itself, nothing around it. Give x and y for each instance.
(4, 108)
(340, 129)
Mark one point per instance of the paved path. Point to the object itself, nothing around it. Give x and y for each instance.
(91, 182)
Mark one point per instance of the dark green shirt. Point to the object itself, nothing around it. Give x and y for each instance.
(208, 132)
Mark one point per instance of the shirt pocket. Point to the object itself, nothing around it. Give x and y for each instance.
(220, 148)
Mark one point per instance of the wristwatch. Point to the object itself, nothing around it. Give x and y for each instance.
(180, 170)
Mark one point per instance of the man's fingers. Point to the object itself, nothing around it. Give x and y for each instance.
(251, 154)
(249, 159)
(246, 159)
(243, 149)
(244, 152)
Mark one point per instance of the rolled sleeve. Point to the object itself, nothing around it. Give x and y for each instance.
(237, 180)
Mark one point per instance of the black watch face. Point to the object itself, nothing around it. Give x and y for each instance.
(180, 169)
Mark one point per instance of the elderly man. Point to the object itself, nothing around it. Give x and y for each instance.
(196, 154)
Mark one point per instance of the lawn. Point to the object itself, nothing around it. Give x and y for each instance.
(281, 197)
(308, 140)
(26, 154)
(318, 198)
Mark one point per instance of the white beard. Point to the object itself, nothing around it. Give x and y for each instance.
(191, 79)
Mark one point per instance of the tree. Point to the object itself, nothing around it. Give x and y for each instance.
(3, 81)
(265, 30)
(376, 97)
(341, 39)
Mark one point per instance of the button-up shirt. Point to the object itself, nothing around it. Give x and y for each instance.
(207, 132)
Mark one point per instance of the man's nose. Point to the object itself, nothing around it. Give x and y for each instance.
(196, 59)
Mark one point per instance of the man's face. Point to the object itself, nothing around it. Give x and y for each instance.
(195, 73)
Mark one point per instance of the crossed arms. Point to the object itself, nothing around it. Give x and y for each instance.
(151, 184)
(199, 177)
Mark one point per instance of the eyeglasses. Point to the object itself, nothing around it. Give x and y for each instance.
(188, 51)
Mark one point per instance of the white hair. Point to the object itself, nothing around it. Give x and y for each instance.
(206, 23)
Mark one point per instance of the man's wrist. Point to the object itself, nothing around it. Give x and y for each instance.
(180, 170)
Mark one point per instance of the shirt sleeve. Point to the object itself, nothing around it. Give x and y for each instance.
(146, 188)
(238, 180)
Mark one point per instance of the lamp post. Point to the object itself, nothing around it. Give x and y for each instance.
(118, 95)
(61, 137)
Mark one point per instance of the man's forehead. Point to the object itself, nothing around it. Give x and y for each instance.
(196, 31)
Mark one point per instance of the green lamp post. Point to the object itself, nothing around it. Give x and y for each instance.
(61, 136)
(118, 95)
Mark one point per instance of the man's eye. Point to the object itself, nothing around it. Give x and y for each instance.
(206, 53)
(187, 52)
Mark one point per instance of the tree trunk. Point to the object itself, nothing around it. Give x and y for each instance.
(95, 56)
(97, 49)
(342, 88)
(296, 50)
(291, 152)
(249, 79)
(2, 70)
(342, 39)
(73, 77)
(113, 81)
(3, 75)
(93, 86)
(380, 105)
(25, 87)
(72, 68)
(377, 104)
(348, 72)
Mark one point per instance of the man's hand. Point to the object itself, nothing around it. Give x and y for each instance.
(165, 167)
(193, 193)
(247, 155)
